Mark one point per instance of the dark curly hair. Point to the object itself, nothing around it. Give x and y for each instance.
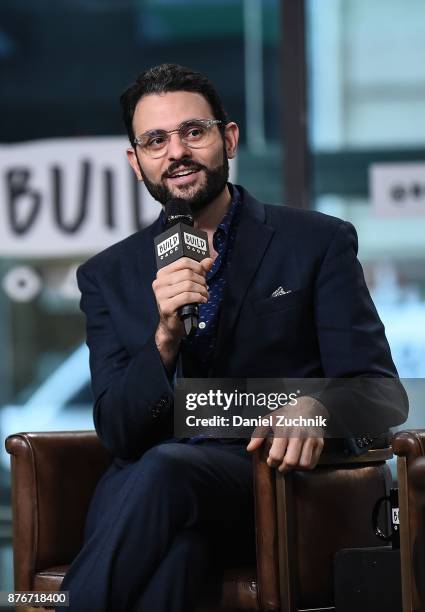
(169, 77)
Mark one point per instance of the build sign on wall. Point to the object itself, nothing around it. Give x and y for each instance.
(67, 197)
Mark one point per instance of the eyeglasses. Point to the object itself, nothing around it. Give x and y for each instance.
(195, 133)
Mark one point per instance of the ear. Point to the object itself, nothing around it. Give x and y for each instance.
(132, 158)
(231, 138)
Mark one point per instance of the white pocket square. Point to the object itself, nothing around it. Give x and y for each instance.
(280, 291)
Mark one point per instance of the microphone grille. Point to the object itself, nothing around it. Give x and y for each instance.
(176, 211)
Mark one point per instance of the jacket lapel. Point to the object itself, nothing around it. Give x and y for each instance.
(252, 239)
(147, 270)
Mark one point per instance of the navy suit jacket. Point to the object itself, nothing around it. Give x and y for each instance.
(325, 326)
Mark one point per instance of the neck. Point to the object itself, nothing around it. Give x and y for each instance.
(209, 217)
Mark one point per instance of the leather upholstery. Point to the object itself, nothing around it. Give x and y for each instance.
(409, 445)
(417, 480)
(50, 579)
(330, 522)
(57, 473)
(53, 478)
(239, 588)
(266, 531)
(54, 475)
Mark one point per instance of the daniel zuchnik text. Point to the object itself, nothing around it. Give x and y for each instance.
(277, 420)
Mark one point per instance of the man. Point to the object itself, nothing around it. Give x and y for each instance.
(164, 502)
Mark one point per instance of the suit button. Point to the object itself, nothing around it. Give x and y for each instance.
(364, 442)
(155, 411)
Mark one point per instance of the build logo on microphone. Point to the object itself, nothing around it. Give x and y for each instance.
(180, 241)
(167, 246)
(196, 243)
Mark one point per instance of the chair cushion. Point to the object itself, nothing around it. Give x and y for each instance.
(50, 579)
(239, 588)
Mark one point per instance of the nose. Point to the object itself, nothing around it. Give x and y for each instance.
(176, 149)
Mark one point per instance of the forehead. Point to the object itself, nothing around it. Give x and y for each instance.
(166, 111)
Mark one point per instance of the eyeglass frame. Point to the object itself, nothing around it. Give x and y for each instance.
(207, 122)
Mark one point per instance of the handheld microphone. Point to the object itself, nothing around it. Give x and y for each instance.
(181, 239)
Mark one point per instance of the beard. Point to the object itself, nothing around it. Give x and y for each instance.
(215, 181)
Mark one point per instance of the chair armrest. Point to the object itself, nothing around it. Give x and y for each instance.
(417, 479)
(53, 478)
(409, 446)
(417, 482)
(370, 457)
(409, 443)
(266, 530)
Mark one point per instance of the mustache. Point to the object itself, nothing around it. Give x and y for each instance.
(189, 164)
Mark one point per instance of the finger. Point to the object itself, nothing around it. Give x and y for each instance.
(277, 452)
(317, 451)
(306, 459)
(171, 291)
(170, 306)
(207, 263)
(178, 276)
(254, 443)
(181, 264)
(257, 437)
(292, 455)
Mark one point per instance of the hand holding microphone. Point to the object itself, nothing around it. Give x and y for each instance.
(183, 260)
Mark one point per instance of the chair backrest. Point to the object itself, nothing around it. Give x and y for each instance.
(408, 445)
(53, 478)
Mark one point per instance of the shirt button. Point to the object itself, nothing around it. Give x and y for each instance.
(202, 325)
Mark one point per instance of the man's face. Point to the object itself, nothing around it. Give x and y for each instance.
(209, 165)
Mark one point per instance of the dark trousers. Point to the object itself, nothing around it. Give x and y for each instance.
(161, 528)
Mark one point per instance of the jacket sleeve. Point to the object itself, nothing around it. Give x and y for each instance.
(132, 394)
(363, 393)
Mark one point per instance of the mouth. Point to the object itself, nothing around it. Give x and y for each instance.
(183, 177)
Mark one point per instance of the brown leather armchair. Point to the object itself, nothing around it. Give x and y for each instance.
(409, 446)
(302, 519)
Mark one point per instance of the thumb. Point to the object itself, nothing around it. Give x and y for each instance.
(258, 436)
(207, 263)
(254, 443)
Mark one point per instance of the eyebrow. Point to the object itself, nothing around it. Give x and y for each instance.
(156, 130)
(153, 132)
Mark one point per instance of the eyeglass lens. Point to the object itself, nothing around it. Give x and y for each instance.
(192, 133)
